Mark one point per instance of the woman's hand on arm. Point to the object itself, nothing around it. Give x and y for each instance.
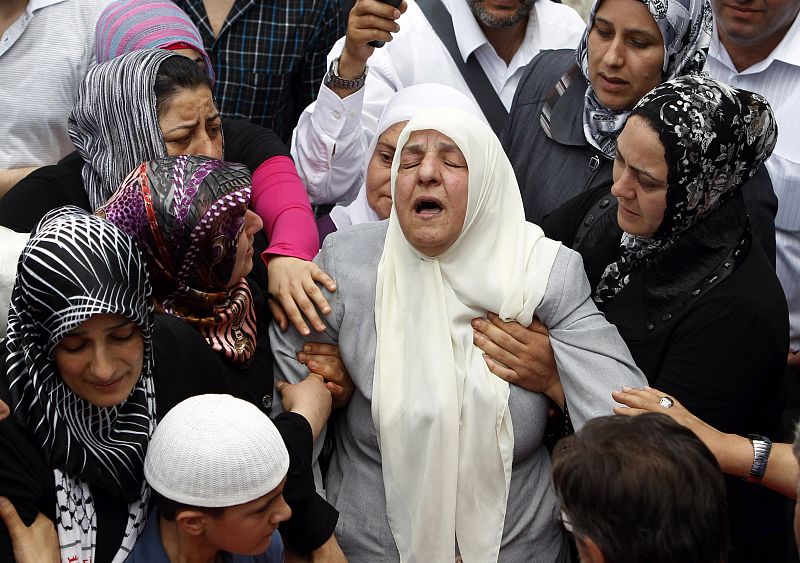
(522, 356)
(734, 453)
(293, 288)
(324, 360)
(309, 398)
(4, 410)
(37, 543)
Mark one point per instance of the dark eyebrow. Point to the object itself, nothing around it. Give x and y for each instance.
(446, 147)
(629, 31)
(79, 332)
(184, 126)
(387, 145)
(648, 174)
(416, 148)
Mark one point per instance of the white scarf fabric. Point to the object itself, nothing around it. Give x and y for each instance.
(443, 422)
(402, 106)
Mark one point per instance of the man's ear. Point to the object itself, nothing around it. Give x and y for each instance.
(589, 551)
(191, 522)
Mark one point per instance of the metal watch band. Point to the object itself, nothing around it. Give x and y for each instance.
(332, 78)
(761, 449)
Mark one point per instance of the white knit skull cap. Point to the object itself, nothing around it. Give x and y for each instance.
(215, 451)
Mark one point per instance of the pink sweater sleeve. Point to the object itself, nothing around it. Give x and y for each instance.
(280, 199)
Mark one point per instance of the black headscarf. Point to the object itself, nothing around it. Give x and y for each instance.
(715, 138)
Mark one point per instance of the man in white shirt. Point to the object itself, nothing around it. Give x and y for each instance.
(756, 46)
(46, 47)
(504, 35)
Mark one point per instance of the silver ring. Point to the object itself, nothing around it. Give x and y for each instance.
(666, 402)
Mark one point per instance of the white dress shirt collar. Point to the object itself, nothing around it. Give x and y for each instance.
(34, 5)
(787, 51)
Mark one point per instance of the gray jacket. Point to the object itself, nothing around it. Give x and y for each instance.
(592, 359)
(553, 169)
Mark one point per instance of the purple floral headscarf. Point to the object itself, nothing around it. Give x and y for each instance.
(187, 213)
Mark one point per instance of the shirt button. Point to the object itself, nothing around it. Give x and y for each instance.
(267, 401)
(336, 115)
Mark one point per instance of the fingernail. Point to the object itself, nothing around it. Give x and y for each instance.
(312, 364)
(626, 388)
(476, 323)
(305, 332)
(326, 310)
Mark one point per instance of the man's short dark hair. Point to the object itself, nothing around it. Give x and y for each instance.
(170, 509)
(644, 489)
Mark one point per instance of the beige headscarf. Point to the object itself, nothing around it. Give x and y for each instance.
(443, 423)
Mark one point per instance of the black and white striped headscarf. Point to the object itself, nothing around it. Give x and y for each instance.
(114, 124)
(75, 266)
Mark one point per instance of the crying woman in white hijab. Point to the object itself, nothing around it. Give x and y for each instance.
(374, 200)
(435, 456)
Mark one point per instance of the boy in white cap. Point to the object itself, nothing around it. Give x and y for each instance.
(217, 466)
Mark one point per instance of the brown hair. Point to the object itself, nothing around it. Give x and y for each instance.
(644, 489)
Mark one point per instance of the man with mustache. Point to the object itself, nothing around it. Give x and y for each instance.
(502, 35)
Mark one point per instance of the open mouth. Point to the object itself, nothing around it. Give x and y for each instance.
(428, 206)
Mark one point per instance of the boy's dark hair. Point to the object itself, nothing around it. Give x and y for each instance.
(644, 489)
(169, 508)
(175, 74)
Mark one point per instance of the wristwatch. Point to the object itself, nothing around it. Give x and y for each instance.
(761, 448)
(332, 78)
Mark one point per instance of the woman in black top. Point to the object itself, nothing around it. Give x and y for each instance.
(87, 373)
(670, 255)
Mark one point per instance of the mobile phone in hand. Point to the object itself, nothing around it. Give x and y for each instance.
(394, 3)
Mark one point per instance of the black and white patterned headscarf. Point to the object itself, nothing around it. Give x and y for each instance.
(715, 138)
(685, 27)
(75, 266)
(114, 124)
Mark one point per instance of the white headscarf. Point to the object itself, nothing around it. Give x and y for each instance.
(443, 422)
(402, 106)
